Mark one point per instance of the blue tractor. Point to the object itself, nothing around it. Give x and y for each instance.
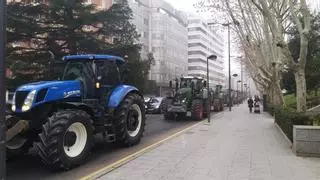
(62, 117)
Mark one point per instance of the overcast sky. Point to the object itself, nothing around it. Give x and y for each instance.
(184, 5)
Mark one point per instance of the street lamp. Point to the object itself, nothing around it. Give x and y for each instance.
(230, 99)
(3, 4)
(229, 57)
(211, 57)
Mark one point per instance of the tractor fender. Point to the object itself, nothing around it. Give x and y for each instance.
(119, 93)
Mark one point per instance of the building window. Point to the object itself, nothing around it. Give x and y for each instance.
(145, 34)
(194, 37)
(194, 21)
(190, 68)
(146, 21)
(192, 29)
(197, 53)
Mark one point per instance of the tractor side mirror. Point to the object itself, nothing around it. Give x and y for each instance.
(170, 84)
(205, 84)
(125, 73)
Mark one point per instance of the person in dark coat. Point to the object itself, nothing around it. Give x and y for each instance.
(250, 104)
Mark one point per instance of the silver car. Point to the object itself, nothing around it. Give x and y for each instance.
(155, 105)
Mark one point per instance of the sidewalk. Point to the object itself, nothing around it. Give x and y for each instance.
(236, 146)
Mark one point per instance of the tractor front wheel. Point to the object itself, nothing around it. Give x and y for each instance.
(197, 109)
(66, 139)
(130, 120)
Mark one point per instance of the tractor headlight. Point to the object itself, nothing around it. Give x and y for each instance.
(13, 106)
(184, 100)
(28, 101)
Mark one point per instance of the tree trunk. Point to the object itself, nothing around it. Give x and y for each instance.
(301, 90)
(278, 96)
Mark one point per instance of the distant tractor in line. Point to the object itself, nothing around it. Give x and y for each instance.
(189, 100)
(217, 99)
(63, 116)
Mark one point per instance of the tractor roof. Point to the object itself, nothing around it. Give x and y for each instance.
(118, 59)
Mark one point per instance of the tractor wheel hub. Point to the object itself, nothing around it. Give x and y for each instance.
(70, 138)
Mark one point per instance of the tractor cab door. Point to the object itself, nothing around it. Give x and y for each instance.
(80, 70)
(108, 77)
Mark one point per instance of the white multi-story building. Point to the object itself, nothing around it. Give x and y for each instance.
(141, 19)
(169, 42)
(163, 32)
(203, 41)
(314, 5)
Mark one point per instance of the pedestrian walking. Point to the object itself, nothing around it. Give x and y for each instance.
(250, 104)
(256, 104)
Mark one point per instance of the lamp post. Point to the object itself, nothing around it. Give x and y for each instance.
(234, 75)
(3, 4)
(229, 59)
(212, 57)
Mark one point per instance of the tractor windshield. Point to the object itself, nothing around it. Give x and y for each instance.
(75, 70)
(186, 82)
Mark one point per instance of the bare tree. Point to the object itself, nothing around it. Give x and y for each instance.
(261, 26)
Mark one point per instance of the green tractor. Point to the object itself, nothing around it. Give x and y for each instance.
(217, 99)
(189, 100)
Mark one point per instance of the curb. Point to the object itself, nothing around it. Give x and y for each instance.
(313, 108)
(284, 135)
(127, 159)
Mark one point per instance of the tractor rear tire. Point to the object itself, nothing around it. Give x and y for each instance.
(130, 120)
(66, 139)
(197, 109)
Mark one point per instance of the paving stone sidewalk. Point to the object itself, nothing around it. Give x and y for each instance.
(237, 145)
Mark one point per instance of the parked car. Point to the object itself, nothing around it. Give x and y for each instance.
(155, 104)
(146, 100)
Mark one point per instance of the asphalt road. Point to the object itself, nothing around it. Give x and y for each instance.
(103, 154)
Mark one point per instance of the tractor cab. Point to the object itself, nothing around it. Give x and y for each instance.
(190, 81)
(196, 85)
(97, 74)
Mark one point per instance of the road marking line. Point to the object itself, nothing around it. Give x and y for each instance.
(135, 155)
